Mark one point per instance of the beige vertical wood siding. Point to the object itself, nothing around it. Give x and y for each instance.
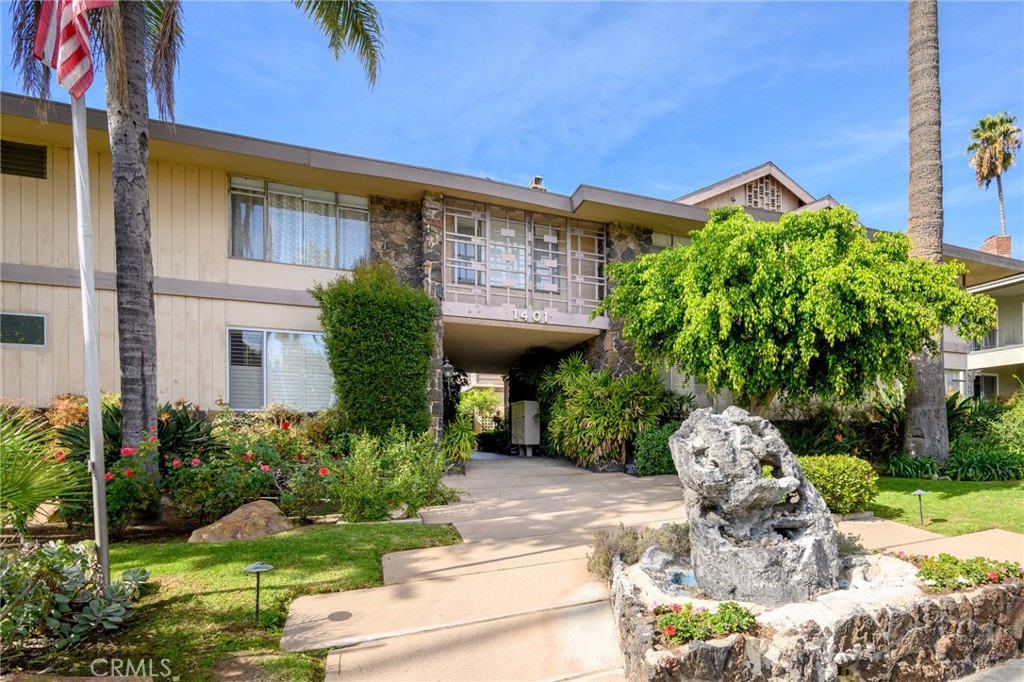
(189, 210)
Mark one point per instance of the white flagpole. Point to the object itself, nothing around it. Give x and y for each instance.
(97, 470)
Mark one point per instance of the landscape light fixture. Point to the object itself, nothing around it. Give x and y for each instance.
(447, 369)
(920, 504)
(257, 568)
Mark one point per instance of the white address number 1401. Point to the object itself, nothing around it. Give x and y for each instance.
(521, 315)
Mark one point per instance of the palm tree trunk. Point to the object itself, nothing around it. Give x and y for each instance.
(128, 124)
(927, 432)
(1002, 208)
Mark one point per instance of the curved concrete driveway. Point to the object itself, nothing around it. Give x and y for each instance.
(514, 602)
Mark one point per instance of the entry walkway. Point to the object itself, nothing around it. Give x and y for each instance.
(515, 601)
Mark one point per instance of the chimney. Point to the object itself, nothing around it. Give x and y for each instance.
(997, 245)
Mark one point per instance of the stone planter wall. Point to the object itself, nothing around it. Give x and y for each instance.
(939, 637)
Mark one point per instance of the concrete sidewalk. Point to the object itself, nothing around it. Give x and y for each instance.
(515, 601)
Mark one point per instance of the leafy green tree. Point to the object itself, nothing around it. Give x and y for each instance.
(807, 306)
(479, 402)
(139, 43)
(994, 144)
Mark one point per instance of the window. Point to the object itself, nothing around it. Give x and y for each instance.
(954, 381)
(278, 367)
(23, 329)
(286, 224)
(27, 160)
(664, 240)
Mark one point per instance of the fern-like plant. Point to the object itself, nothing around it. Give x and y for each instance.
(31, 474)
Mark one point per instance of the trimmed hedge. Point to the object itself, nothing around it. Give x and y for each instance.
(380, 339)
(846, 483)
(653, 456)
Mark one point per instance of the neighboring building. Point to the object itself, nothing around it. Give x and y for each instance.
(243, 227)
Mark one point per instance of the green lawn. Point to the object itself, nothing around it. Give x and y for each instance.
(201, 614)
(952, 507)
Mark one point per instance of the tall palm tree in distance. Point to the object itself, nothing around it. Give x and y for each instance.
(927, 432)
(994, 142)
(139, 43)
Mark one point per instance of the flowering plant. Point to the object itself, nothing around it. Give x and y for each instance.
(130, 489)
(947, 572)
(681, 624)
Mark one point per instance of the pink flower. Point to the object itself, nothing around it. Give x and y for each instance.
(669, 630)
(176, 463)
(264, 467)
(128, 452)
(286, 425)
(993, 576)
(676, 608)
(109, 476)
(59, 457)
(195, 462)
(152, 439)
(323, 471)
(129, 473)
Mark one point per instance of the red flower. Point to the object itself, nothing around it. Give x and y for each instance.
(247, 457)
(302, 459)
(669, 630)
(176, 463)
(152, 428)
(109, 476)
(128, 452)
(323, 471)
(264, 467)
(993, 576)
(676, 608)
(286, 425)
(195, 462)
(59, 457)
(152, 439)
(129, 473)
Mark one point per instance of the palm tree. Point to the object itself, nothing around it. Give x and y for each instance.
(927, 432)
(140, 43)
(994, 143)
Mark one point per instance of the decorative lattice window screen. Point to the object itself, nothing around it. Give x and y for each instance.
(766, 193)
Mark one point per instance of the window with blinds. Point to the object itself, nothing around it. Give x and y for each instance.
(664, 240)
(278, 367)
(285, 224)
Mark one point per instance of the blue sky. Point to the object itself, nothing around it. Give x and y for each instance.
(653, 98)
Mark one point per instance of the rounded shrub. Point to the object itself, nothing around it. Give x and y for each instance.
(653, 456)
(846, 483)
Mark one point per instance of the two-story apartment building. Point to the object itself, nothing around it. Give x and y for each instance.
(241, 228)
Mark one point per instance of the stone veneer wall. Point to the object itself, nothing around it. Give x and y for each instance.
(409, 235)
(942, 637)
(609, 350)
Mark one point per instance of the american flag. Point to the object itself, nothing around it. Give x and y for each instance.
(62, 41)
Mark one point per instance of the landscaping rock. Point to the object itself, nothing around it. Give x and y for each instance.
(253, 520)
(765, 540)
(399, 512)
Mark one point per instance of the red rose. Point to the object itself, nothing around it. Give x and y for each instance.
(669, 630)
(128, 452)
(109, 476)
(676, 608)
(152, 428)
(59, 457)
(247, 457)
(152, 439)
(176, 463)
(195, 462)
(323, 471)
(286, 425)
(993, 576)
(264, 467)
(129, 473)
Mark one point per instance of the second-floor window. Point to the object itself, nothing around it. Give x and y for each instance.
(296, 225)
